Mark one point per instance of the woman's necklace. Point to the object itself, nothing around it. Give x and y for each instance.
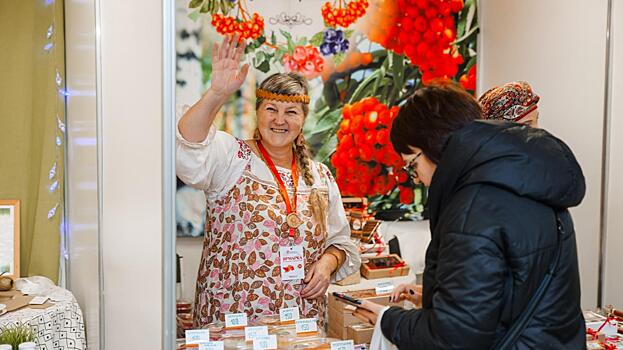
(292, 219)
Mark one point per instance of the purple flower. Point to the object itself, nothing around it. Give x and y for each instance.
(344, 45)
(325, 49)
(335, 48)
(330, 35)
(339, 35)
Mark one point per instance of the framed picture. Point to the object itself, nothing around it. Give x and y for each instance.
(9, 237)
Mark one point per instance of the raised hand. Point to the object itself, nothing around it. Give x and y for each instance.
(227, 77)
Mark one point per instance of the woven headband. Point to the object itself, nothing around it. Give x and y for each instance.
(265, 94)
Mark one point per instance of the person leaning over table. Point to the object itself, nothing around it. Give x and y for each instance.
(498, 196)
(267, 200)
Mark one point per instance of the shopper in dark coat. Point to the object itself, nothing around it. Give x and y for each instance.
(494, 193)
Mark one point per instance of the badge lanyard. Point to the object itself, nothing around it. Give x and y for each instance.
(292, 218)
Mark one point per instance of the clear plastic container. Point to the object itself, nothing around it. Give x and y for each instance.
(6, 347)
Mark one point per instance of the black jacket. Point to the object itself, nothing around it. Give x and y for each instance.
(493, 235)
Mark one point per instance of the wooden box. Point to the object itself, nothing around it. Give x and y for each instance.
(384, 266)
(341, 316)
(360, 333)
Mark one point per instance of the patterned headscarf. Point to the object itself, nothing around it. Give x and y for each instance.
(510, 102)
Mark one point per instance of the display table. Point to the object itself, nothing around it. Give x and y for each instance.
(58, 327)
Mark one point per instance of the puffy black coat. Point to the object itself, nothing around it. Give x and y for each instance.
(493, 235)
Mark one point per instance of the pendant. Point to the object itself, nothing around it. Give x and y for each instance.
(293, 220)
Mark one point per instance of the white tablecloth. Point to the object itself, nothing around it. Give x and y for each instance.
(59, 327)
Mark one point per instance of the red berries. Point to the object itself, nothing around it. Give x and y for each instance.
(344, 17)
(366, 164)
(305, 60)
(468, 81)
(248, 29)
(422, 30)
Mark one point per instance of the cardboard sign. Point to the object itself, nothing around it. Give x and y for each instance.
(343, 345)
(289, 315)
(306, 326)
(252, 333)
(265, 342)
(238, 320)
(197, 336)
(384, 288)
(212, 345)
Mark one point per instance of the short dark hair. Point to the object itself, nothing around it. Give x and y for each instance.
(430, 116)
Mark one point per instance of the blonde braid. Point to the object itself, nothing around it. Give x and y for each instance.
(316, 204)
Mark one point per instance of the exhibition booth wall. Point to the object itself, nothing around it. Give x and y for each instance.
(115, 64)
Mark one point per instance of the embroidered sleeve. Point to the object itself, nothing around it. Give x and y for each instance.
(214, 164)
(339, 230)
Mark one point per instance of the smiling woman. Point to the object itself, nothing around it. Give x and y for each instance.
(276, 232)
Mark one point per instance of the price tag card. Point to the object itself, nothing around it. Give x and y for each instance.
(306, 325)
(265, 342)
(38, 300)
(289, 315)
(236, 320)
(251, 333)
(212, 345)
(196, 336)
(343, 345)
(384, 287)
(292, 263)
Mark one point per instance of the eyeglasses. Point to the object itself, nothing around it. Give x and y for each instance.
(410, 167)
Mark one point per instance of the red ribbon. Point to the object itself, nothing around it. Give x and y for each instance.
(282, 186)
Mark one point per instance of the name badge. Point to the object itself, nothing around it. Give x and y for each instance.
(289, 314)
(306, 325)
(265, 342)
(236, 320)
(292, 263)
(252, 333)
(196, 336)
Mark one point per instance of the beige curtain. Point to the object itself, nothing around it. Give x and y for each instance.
(31, 107)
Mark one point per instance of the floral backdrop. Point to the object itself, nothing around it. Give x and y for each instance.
(362, 58)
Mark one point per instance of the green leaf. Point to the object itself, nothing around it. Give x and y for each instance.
(348, 33)
(302, 41)
(206, 7)
(286, 35)
(397, 73)
(260, 56)
(273, 38)
(361, 89)
(194, 3)
(317, 39)
(327, 149)
(328, 121)
(263, 67)
(194, 16)
(338, 58)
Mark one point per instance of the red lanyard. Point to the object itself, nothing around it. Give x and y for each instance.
(282, 186)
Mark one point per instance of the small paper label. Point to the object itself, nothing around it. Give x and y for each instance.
(289, 314)
(212, 345)
(251, 333)
(38, 300)
(265, 342)
(235, 320)
(343, 345)
(197, 336)
(306, 325)
(384, 287)
(292, 263)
